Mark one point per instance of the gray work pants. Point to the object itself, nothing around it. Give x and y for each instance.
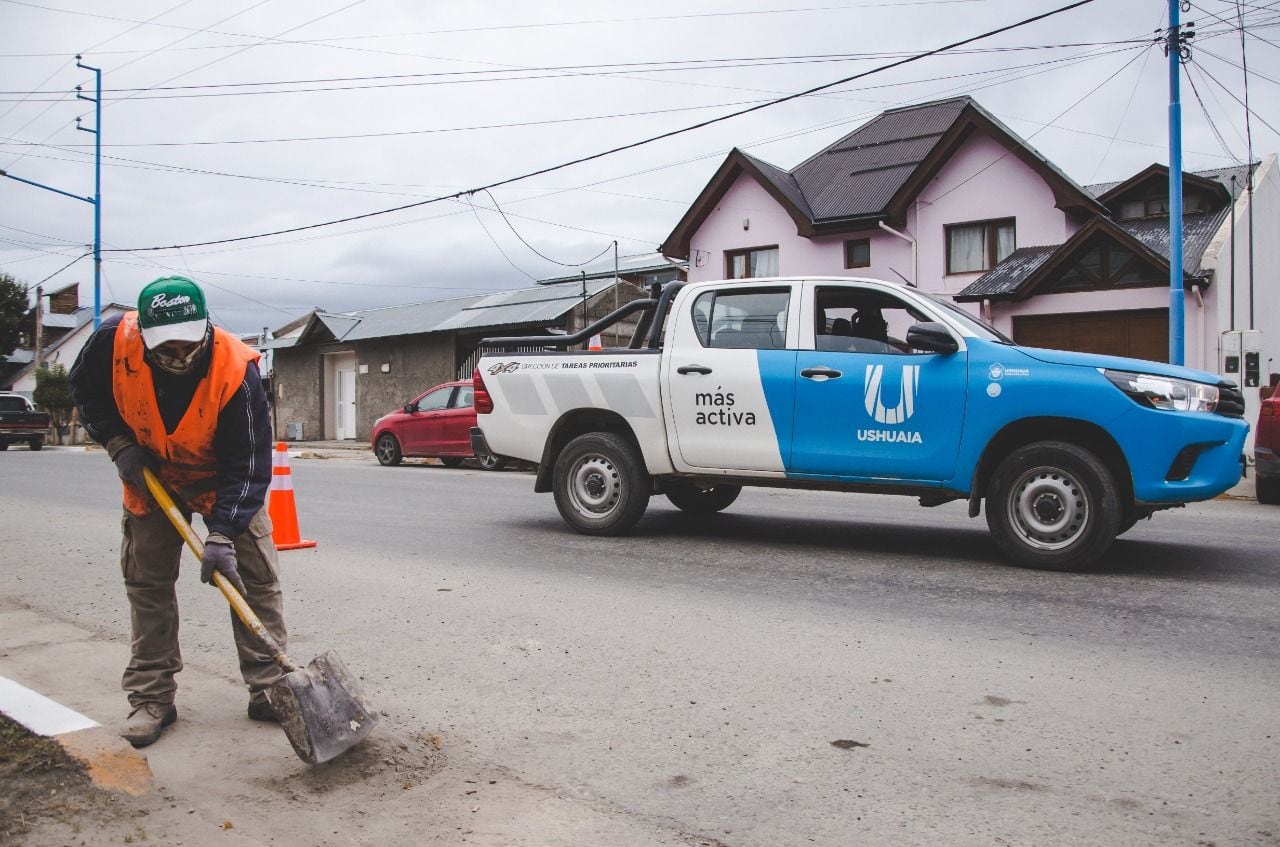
(149, 555)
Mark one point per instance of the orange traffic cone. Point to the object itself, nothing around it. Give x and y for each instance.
(594, 343)
(280, 505)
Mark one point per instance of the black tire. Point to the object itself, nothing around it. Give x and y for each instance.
(1268, 490)
(695, 499)
(1053, 506)
(490, 462)
(388, 450)
(4, 445)
(35, 444)
(601, 485)
(451, 461)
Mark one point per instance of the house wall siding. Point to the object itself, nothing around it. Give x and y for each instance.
(747, 200)
(982, 181)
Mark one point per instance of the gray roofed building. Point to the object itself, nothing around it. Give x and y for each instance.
(378, 359)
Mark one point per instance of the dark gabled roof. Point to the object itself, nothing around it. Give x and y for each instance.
(1119, 189)
(874, 172)
(1033, 268)
(1222, 176)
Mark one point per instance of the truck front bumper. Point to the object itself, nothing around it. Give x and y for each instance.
(1180, 457)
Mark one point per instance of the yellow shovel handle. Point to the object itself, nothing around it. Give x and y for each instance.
(238, 604)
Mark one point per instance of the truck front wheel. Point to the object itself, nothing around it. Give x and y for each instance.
(696, 500)
(35, 444)
(601, 485)
(1054, 506)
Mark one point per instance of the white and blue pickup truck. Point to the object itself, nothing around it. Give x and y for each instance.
(856, 385)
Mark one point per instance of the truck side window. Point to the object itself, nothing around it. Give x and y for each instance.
(755, 319)
(857, 320)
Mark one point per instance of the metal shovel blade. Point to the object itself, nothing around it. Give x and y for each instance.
(322, 709)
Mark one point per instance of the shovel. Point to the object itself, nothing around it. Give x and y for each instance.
(321, 707)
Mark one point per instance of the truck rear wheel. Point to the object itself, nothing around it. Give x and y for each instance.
(695, 499)
(35, 444)
(1054, 506)
(601, 485)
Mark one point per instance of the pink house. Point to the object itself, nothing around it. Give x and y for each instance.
(945, 197)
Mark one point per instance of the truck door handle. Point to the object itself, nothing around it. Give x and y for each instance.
(823, 371)
(693, 369)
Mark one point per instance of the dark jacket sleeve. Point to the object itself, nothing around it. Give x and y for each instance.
(91, 385)
(242, 446)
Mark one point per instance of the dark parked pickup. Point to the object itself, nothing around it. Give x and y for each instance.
(21, 423)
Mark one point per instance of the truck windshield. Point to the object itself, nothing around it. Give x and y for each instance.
(976, 325)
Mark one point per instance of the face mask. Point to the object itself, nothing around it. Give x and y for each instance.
(179, 365)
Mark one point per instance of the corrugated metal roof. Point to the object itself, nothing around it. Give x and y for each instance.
(1008, 276)
(627, 265)
(1197, 231)
(1222, 175)
(541, 304)
(860, 173)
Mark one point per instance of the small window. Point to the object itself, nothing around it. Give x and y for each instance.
(438, 399)
(857, 253)
(753, 320)
(751, 263)
(463, 398)
(980, 246)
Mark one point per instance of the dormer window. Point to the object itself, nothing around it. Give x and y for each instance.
(1157, 205)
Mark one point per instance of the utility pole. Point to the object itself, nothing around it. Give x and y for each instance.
(39, 320)
(1177, 51)
(95, 200)
(97, 185)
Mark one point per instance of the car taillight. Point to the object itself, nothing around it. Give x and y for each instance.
(480, 395)
(1268, 410)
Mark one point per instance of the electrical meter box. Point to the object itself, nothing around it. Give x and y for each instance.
(1240, 357)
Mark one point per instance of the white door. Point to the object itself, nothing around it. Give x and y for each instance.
(345, 413)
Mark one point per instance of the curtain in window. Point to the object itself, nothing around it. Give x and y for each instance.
(968, 249)
(1004, 242)
(764, 262)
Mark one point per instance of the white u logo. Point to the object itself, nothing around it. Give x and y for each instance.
(906, 405)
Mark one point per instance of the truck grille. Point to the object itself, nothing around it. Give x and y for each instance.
(1230, 400)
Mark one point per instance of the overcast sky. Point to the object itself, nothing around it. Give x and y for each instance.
(239, 117)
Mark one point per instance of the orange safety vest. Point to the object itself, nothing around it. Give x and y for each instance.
(187, 463)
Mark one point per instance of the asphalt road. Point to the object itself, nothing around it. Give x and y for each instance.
(805, 668)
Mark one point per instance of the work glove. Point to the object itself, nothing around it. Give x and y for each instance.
(220, 555)
(130, 459)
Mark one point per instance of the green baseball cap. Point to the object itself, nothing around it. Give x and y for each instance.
(172, 309)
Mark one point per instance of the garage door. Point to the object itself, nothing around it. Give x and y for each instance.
(1140, 334)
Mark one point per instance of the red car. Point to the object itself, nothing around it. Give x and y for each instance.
(436, 424)
(1266, 451)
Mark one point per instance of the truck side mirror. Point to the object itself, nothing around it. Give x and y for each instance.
(931, 336)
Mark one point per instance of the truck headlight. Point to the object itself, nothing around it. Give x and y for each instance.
(1164, 392)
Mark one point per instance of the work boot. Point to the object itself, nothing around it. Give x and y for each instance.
(260, 710)
(147, 721)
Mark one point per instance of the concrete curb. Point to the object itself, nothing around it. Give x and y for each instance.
(110, 762)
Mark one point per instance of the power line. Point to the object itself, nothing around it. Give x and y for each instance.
(517, 234)
(1222, 142)
(1232, 95)
(599, 69)
(651, 139)
(498, 246)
